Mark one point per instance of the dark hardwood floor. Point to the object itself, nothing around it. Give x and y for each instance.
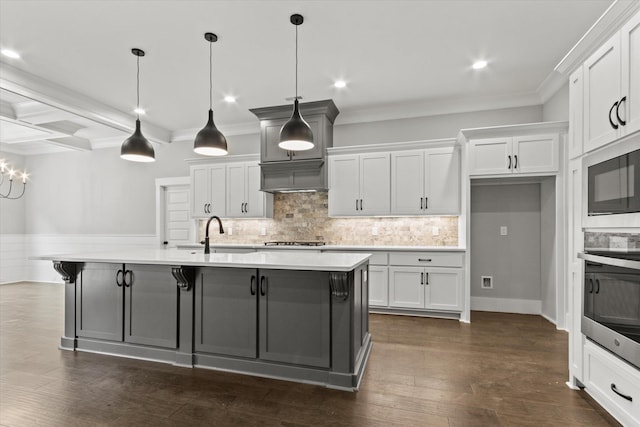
(500, 370)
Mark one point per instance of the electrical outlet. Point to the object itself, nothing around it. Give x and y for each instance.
(230, 231)
(503, 230)
(435, 231)
(486, 282)
(263, 231)
(374, 231)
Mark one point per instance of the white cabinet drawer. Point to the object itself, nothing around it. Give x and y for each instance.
(604, 372)
(427, 259)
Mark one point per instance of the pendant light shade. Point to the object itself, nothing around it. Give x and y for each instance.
(137, 148)
(210, 141)
(296, 134)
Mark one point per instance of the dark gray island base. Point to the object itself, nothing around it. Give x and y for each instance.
(301, 325)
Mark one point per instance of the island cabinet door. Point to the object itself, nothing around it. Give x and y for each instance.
(151, 306)
(295, 317)
(226, 311)
(99, 297)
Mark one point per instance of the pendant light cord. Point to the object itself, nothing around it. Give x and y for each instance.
(296, 98)
(210, 76)
(138, 88)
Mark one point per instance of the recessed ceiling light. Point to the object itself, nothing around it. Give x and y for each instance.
(230, 99)
(11, 53)
(340, 84)
(478, 65)
(139, 111)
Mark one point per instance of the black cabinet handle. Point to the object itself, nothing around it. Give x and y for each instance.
(360, 204)
(421, 203)
(515, 166)
(252, 287)
(426, 282)
(119, 278)
(263, 285)
(204, 208)
(127, 283)
(590, 286)
(509, 167)
(613, 125)
(422, 278)
(624, 396)
(424, 259)
(622, 122)
(356, 204)
(597, 286)
(426, 203)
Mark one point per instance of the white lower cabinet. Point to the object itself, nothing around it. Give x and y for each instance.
(613, 383)
(426, 288)
(378, 285)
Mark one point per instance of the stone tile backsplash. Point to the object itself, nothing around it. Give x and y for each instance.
(597, 240)
(304, 216)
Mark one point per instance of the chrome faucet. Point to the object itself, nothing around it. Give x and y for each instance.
(206, 234)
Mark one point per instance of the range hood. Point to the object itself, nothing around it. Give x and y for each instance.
(291, 171)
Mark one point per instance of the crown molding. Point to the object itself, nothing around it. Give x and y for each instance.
(46, 92)
(513, 130)
(604, 28)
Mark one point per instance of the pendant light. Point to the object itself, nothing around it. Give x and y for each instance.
(136, 148)
(296, 134)
(210, 141)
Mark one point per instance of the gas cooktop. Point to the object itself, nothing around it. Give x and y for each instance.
(295, 243)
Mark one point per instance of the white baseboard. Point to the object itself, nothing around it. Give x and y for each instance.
(507, 305)
(15, 250)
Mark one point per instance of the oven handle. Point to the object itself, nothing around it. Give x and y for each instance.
(590, 285)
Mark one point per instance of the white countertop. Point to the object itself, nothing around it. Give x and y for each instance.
(330, 261)
(369, 248)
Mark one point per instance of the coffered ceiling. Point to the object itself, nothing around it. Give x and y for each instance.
(398, 58)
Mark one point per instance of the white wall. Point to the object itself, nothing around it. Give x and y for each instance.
(557, 107)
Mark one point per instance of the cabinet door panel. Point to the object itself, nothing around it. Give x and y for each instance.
(199, 191)
(576, 110)
(536, 153)
(601, 91)
(343, 180)
(217, 189)
(405, 287)
(443, 289)
(255, 197)
(236, 174)
(375, 185)
(407, 182)
(442, 183)
(490, 156)
(378, 285)
(226, 312)
(295, 317)
(630, 51)
(99, 302)
(271, 135)
(151, 306)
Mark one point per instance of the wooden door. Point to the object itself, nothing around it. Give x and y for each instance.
(442, 183)
(491, 156)
(236, 185)
(226, 311)
(375, 184)
(536, 153)
(378, 285)
(200, 191)
(217, 190)
(255, 198)
(99, 302)
(443, 289)
(295, 317)
(406, 287)
(407, 182)
(344, 177)
(151, 306)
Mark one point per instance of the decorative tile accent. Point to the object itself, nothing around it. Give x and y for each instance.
(304, 216)
(597, 240)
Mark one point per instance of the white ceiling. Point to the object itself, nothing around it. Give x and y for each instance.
(410, 56)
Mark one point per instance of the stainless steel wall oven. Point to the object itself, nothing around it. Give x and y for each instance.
(611, 315)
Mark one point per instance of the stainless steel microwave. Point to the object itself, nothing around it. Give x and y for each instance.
(614, 185)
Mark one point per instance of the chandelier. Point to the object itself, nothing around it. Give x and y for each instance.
(6, 190)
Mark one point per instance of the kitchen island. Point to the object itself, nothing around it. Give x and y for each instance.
(294, 316)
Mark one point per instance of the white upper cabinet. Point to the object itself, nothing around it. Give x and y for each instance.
(244, 198)
(612, 88)
(425, 182)
(359, 185)
(515, 154)
(208, 184)
(576, 110)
